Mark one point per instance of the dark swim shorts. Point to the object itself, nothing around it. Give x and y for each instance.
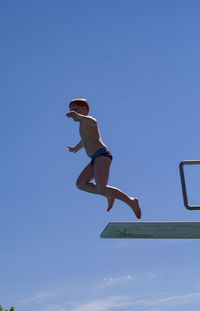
(101, 152)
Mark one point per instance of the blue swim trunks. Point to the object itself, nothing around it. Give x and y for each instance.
(101, 152)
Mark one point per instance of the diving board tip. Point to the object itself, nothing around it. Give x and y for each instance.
(152, 230)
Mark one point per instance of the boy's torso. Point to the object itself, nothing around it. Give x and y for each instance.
(91, 138)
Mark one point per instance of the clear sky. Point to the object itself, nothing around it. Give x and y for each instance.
(137, 62)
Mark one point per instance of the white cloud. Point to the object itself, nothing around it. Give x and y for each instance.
(114, 303)
(111, 303)
(127, 303)
(37, 298)
(53, 307)
(43, 296)
(110, 281)
(176, 300)
(152, 275)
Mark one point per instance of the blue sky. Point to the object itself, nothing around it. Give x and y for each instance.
(137, 63)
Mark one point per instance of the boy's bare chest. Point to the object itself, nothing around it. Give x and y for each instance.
(88, 132)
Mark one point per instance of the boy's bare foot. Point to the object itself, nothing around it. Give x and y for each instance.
(110, 203)
(135, 207)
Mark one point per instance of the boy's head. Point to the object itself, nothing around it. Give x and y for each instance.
(80, 105)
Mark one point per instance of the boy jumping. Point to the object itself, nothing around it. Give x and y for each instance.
(101, 158)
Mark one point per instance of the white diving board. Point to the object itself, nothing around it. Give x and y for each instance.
(152, 230)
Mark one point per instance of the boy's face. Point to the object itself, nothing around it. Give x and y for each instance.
(79, 109)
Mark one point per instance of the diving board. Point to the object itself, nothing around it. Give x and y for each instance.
(152, 230)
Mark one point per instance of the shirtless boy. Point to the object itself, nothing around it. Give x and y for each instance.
(101, 158)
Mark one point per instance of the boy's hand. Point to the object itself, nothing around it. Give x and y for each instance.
(72, 149)
(74, 115)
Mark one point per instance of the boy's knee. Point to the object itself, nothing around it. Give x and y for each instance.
(79, 185)
(101, 189)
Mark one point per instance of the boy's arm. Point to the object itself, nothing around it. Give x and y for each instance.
(76, 148)
(88, 120)
(79, 117)
(79, 146)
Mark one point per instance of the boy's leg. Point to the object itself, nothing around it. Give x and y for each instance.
(101, 174)
(85, 177)
(83, 183)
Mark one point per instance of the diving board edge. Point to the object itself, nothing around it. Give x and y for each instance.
(152, 230)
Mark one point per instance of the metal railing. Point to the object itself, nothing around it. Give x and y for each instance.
(184, 190)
